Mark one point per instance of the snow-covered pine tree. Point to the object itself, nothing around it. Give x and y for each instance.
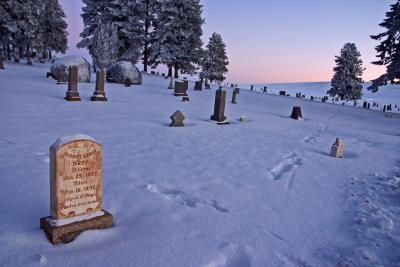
(125, 15)
(389, 49)
(7, 26)
(150, 9)
(215, 60)
(177, 35)
(347, 82)
(53, 28)
(104, 48)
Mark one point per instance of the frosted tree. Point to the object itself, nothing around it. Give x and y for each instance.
(177, 35)
(7, 27)
(347, 82)
(125, 15)
(104, 48)
(215, 60)
(389, 49)
(53, 28)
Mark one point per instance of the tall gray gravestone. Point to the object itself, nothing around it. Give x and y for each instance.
(72, 93)
(99, 93)
(219, 107)
(234, 95)
(75, 189)
(62, 75)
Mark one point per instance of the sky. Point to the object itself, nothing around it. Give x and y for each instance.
(280, 41)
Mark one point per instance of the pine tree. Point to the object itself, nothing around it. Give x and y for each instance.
(104, 48)
(53, 28)
(125, 15)
(215, 61)
(347, 82)
(389, 49)
(7, 24)
(150, 9)
(177, 35)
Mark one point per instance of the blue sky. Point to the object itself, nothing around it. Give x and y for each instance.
(281, 41)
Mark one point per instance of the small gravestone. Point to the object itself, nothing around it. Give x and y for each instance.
(219, 107)
(99, 94)
(265, 90)
(163, 74)
(198, 86)
(337, 149)
(283, 93)
(312, 98)
(1, 63)
(234, 94)
(177, 119)
(296, 113)
(355, 103)
(62, 75)
(72, 93)
(152, 72)
(180, 88)
(365, 104)
(243, 119)
(252, 88)
(185, 99)
(75, 189)
(384, 108)
(369, 106)
(127, 82)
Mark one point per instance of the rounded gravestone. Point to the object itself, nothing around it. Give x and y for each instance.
(67, 61)
(123, 70)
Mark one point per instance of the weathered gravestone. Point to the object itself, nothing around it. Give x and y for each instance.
(296, 113)
(1, 63)
(198, 86)
(72, 93)
(265, 90)
(365, 105)
(234, 94)
(185, 99)
(127, 82)
(75, 189)
(99, 93)
(219, 107)
(62, 75)
(243, 119)
(237, 91)
(180, 88)
(337, 149)
(177, 119)
(252, 88)
(282, 93)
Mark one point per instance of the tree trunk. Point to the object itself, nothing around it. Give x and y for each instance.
(8, 52)
(169, 71)
(28, 56)
(50, 57)
(146, 44)
(176, 68)
(21, 53)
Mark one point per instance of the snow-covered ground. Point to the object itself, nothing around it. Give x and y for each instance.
(261, 193)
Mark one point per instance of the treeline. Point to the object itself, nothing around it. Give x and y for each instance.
(32, 27)
(155, 32)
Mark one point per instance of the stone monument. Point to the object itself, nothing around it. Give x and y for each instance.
(75, 189)
(62, 76)
(177, 119)
(72, 93)
(296, 113)
(219, 107)
(180, 88)
(234, 94)
(337, 149)
(99, 93)
(198, 86)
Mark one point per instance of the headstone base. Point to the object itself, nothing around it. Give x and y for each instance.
(98, 98)
(72, 96)
(62, 82)
(180, 94)
(68, 233)
(218, 119)
(223, 122)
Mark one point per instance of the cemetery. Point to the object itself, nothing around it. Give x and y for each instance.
(126, 160)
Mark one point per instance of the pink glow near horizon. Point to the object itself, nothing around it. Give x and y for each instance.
(280, 42)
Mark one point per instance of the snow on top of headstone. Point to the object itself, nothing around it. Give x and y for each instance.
(69, 138)
(69, 61)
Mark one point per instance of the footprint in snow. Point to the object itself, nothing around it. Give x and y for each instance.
(231, 256)
(183, 198)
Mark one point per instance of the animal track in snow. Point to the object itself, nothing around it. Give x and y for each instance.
(313, 137)
(184, 198)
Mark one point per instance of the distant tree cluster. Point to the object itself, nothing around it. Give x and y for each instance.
(157, 32)
(32, 26)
